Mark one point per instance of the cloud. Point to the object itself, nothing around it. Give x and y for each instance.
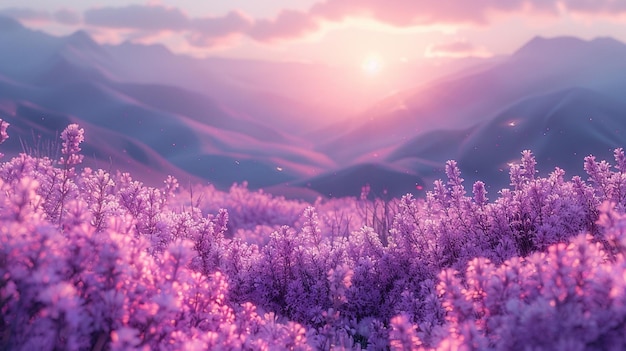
(215, 31)
(26, 14)
(288, 24)
(22, 14)
(150, 18)
(153, 19)
(599, 7)
(233, 22)
(456, 49)
(404, 13)
(67, 17)
(202, 31)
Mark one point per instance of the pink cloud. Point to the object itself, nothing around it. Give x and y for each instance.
(216, 31)
(22, 14)
(404, 13)
(152, 19)
(288, 24)
(155, 18)
(67, 17)
(601, 7)
(26, 14)
(109, 36)
(233, 22)
(203, 31)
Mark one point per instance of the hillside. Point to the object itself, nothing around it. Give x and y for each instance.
(553, 104)
(231, 120)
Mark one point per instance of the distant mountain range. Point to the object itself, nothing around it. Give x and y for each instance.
(291, 127)
(562, 98)
(48, 82)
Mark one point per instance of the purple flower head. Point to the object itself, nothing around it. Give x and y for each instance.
(72, 136)
(440, 193)
(403, 336)
(171, 185)
(311, 225)
(453, 173)
(480, 194)
(620, 160)
(528, 164)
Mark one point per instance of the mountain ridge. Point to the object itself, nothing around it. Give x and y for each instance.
(231, 126)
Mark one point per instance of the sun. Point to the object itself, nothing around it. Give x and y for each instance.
(372, 65)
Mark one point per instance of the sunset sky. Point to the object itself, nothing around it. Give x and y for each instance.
(330, 31)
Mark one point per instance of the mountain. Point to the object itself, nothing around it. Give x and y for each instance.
(461, 102)
(246, 93)
(150, 126)
(282, 126)
(36, 132)
(561, 128)
(224, 120)
(296, 97)
(562, 98)
(169, 128)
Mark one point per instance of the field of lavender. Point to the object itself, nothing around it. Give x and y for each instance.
(93, 260)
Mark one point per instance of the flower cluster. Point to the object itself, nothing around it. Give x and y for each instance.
(91, 260)
(72, 137)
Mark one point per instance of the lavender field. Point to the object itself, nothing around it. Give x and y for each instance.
(312, 175)
(93, 260)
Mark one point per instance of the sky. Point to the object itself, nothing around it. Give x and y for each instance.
(370, 33)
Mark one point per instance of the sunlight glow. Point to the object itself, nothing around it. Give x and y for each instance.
(372, 65)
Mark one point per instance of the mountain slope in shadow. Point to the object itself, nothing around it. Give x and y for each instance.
(76, 80)
(560, 128)
(467, 100)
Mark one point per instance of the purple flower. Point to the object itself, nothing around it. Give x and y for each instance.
(72, 137)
